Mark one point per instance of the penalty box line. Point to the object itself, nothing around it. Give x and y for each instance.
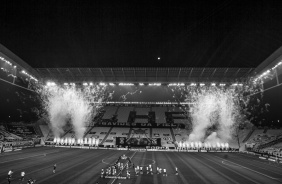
(249, 169)
(123, 167)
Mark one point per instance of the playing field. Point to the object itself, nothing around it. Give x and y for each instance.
(84, 166)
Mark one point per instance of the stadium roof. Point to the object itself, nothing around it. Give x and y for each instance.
(144, 74)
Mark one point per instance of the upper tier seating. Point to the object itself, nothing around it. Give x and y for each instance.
(110, 111)
(138, 120)
(160, 114)
(123, 113)
(142, 111)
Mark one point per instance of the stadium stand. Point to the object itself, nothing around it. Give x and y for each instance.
(45, 131)
(116, 132)
(160, 114)
(141, 120)
(134, 132)
(165, 135)
(142, 111)
(255, 137)
(109, 112)
(180, 134)
(9, 136)
(98, 133)
(123, 113)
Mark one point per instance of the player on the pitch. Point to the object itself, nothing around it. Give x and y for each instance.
(137, 170)
(22, 176)
(102, 173)
(54, 168)
(10, 175)
(128, 174)
(176, 171)
(31, 181)
(141, 170)
(165, 172)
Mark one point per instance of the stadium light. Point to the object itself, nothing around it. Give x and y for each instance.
(176, 84)
(85, 84)
(126, 84)
(111, 84)
(193, 84)
(141, 84)
(222, 84)
(66, 84)
(51, 84)
(6, 61)
(90, 84)
(202, 84)
(213, 84)
(155, 84)
(102, 84)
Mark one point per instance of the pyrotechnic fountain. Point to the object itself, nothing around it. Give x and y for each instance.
(72, 106)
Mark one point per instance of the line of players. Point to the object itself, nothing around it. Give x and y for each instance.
(112, 170)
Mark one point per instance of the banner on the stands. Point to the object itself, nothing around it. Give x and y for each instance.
(122, 141)
(143, 125)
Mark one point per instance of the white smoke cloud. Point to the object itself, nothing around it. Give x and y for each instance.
(213, 107)
(71, 104)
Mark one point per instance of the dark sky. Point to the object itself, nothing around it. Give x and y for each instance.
(133, 34)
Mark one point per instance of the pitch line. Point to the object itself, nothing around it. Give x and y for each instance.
(250, 169)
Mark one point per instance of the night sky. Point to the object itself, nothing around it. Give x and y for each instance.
(134, 34)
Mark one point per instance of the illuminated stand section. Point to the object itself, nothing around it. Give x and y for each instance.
(202, 146)
(76, 142)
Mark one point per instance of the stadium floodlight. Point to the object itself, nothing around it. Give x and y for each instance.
(213, 84)
(111, 84)
(202, 84)
(102, 84)
(125, 84)
(15, 66)
(240, 84)
(90, 84)
(235, 84)
(222, 84)
(176, 84)
(193, 84)
(155, 84)
(51, 84)
(66, 84)
(141, 84)
(85, 84)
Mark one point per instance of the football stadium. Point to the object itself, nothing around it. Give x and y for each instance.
(170, 110)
